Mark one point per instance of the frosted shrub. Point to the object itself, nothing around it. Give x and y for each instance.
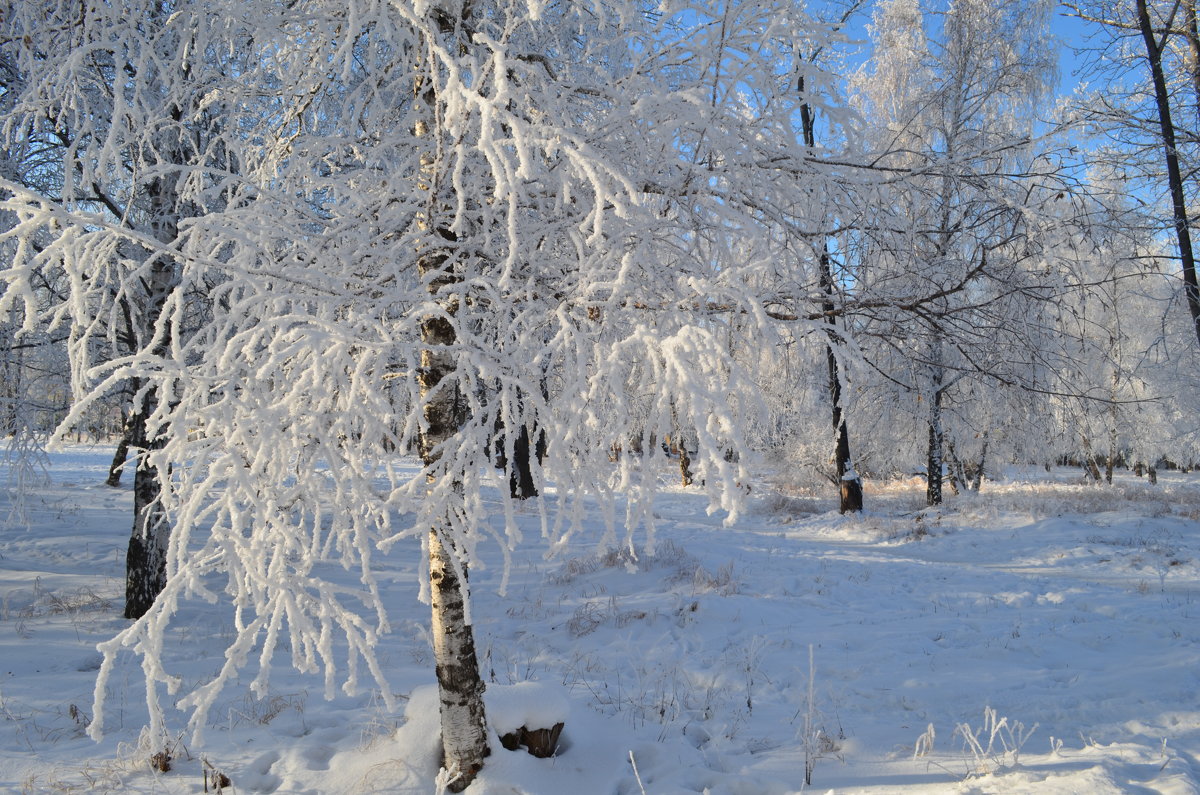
(994, 745)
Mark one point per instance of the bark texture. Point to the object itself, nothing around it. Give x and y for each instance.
(460, 688)
(935, 456)
(146, 557)
(521, 485)
(117, 468)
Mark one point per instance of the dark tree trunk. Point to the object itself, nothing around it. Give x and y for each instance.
(122, 452)
(1162, 99)
(521, 485)
(118, 462)
(934, 457)
(849, 484)
(685, 466)
(1191, 31)
(681, 446)
(146, 558)
(956, 470)
(1089, 460)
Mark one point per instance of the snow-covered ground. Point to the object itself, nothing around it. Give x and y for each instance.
(1041, 637)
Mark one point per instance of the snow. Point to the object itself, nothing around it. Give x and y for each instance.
(1038, 637)
(534, 705)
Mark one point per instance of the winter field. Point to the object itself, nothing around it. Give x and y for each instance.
(1043, 636)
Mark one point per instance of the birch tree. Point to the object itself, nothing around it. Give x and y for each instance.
(118, 102)
(953, 117)
(417, 223)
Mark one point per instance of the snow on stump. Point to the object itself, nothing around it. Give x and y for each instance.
(530, 714)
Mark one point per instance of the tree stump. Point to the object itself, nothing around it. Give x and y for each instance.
(539, 742)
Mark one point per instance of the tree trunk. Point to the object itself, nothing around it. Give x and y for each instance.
(956, 470)
(1162, 99)
(1089, 460)
(977, 475)
(681, 445)
(1191, 31)
(849, 484)
(118, 462)
(1110, 461)
(933, 461)
(685, 466)
(146, 557)
(935, 457)
(464, 727)
(460, 688)
(117, 467)
(521, 485)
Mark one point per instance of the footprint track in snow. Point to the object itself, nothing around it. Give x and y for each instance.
(258, 777)
(318, 757)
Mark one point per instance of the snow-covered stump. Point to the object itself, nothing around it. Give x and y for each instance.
(541, 743)
(529, 714)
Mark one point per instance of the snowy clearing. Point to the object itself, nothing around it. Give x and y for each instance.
(1038, 637)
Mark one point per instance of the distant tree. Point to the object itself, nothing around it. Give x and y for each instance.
(951, 108)
(1148, 59)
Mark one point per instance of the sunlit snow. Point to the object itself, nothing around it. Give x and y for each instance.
(1039, 637)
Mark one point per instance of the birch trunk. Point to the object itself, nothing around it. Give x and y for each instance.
(977, 475)
(146, 557)
(460, 688)
(117, 467)
(935, 456)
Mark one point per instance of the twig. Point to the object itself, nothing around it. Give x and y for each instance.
(636, 775)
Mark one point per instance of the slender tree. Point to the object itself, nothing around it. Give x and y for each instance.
(952, 112)
(1158, 45)
(849, 482)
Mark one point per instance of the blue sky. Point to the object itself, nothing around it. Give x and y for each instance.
(1073, 33)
